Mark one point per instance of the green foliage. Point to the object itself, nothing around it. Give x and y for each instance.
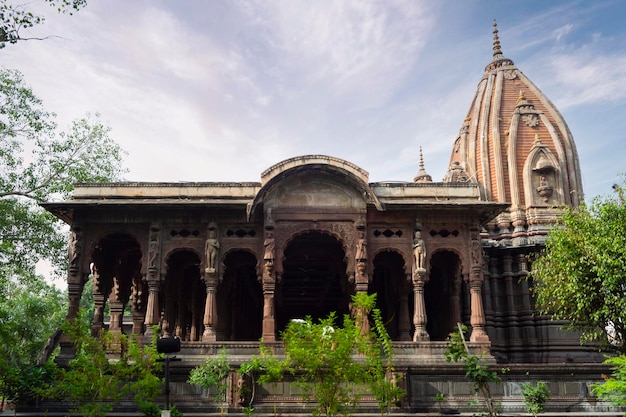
(613, 388)
(14, 18)
(476, 371)
(581, 277)
(213, 375)
(29, 314)
(38, 163)
(378, 350)
(320, 357)
(94, 382)
(333, 365)
(535, 397)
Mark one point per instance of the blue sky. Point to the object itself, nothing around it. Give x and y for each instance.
(221, 90)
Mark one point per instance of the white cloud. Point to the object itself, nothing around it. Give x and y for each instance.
(562, 31)
(584, 79)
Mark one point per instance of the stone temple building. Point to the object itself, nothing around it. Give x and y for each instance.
(224, 264)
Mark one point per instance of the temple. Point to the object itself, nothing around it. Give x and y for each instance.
(226, 264)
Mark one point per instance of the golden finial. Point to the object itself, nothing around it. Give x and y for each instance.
(521, 97)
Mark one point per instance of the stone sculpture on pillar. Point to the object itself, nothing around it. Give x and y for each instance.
(419, 280)
(210, 281)
(269, 285)
(211, 248)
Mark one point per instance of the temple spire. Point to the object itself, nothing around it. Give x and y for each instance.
(497, 51)
(422, 175)
(498, 60)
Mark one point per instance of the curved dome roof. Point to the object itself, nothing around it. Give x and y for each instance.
(515, 143)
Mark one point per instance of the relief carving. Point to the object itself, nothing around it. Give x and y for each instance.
(531, 120)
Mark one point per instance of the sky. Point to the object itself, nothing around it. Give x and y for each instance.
(221, 90)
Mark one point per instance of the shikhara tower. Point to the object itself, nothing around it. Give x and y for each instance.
(221, 265)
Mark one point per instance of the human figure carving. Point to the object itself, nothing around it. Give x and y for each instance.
(475, 252)
(269, 245)
(74, 249)
(210, 249)
(153, 250)
(361, 248)
(419, 250)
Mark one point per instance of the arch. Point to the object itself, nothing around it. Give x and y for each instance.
(354, 175)
(303, 229)
(543, 179)
(406, 260)
(314, 280)
(239, 298)
(442, 294)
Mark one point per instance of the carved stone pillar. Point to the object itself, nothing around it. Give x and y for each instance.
(152, 279)
(75, 278)
(419, 307)
(210, 307)
(138, 304)
(116, 308)
(477, 319)
(269, 287)
(74, 293)
(98, 302)
(513, 323)
(153, 314)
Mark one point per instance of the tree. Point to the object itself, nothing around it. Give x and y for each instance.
(93, 382)
(29, 314)
(535, 396)
(16, 17)
(480, 374)
(613, 388)
(213, 374)
(38, 163)
(580, 277)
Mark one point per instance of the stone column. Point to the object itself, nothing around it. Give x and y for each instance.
(116, 307)
(75, 278)
(477, 319)
(138, 304)
(153, 310)
(513, 320)
(268, 282)
(419, 307)
(210, 307)
(153, 281)
(98, 301)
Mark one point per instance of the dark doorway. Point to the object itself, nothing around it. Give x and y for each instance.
(184, 294)
(240, 299)
(442, 295)
(314, 280)
(116, 265)
(389, 284)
